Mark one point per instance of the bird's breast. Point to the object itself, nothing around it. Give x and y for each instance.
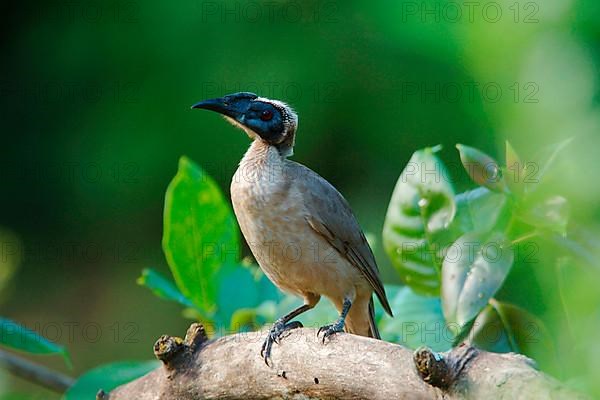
(272, 218)
(269, 205)
(266, 204)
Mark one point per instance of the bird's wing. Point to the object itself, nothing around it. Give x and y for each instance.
(331, 217)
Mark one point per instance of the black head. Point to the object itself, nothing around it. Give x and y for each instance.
(271, 120)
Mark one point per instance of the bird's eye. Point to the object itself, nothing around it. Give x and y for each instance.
(266, 115)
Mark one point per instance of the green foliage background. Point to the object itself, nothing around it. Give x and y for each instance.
(95, 113)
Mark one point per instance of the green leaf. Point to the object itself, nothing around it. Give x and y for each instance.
(418, 320)
(504, 327)
(267, 311)
(18, 337)
(488, 332)
(461, 332)
(162, 287)
(192, 313)
(529, 332)
(242, 311)
(543, 163)
(252, 288)
(107, 377)
(512, 158)
(551, 213)
(514, 171)
(421, 207)
(12, 252)
(482, 169)
(474, 269)
(481, 210)
(583, 250)
(200, 234)
(244, 319)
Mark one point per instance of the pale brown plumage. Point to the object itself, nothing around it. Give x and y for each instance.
(282, 205)
(332, 218)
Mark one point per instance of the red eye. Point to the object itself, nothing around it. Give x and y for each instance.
(266, 115)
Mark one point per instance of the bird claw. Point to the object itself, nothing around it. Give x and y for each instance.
(331, 329)
(275, 335)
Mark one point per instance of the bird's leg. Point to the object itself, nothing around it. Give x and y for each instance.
(337, 326)
(281, 326)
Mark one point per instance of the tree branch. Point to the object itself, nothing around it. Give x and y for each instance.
(35, 373)
(347, 367)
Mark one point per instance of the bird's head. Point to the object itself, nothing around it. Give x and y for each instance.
(272, 121)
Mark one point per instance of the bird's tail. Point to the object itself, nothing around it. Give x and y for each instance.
(373, 331)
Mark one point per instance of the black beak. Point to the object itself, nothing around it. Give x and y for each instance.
(234, 105)
(220, 105)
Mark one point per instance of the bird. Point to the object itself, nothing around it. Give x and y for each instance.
(299, 228)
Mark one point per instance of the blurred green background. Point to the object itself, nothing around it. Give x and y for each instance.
(95, 113)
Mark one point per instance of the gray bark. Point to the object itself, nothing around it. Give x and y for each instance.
(347, 367)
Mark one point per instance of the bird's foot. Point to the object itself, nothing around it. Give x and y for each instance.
(331, 329)
(275, 334)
